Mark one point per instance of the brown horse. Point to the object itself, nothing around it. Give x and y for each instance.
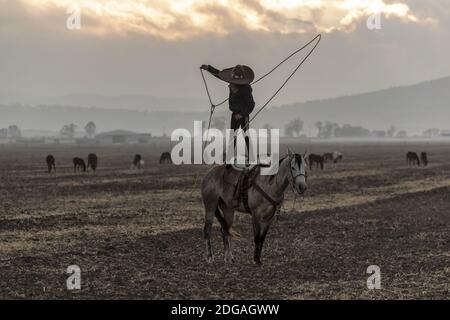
(263, 198)
(79, 163)
(138, 162)
(335, 157)
(165, 158)
(50, 163)
(424, 158)
(412, 159)
(317, 159)
(92, 161)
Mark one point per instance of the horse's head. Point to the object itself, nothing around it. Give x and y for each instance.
(298, 172)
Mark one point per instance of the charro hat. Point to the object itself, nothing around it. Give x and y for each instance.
(238, 75)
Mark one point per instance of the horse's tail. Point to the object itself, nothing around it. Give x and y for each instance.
(227, 228)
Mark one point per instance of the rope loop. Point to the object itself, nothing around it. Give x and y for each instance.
(317, 38)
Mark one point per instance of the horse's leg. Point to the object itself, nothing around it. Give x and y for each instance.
(228, 216)
(256, 232)
(209, 219)
(263, 229)
(260, 229)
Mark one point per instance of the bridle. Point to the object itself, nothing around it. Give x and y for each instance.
(301, 174)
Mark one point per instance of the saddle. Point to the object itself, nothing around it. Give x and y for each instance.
(243, 179)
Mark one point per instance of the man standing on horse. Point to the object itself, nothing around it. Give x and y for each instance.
(241, 101)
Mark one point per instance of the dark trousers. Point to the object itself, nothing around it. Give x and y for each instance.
(241, 123)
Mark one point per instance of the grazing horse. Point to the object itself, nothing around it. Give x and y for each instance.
(317, 159)
(165, 158)
(50, 163)
(327, 156)
(79, 163)
(412, 158)
(138, 162)
(263, 198)
(92, 161)
(424, 158)
(337, 156)
(332, 156)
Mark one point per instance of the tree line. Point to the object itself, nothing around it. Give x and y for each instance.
(67, 131)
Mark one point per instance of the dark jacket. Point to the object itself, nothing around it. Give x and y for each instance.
(241, 97)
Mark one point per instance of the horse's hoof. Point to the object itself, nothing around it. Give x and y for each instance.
(229, 259)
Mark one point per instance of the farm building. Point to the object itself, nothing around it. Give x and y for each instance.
(122, 137)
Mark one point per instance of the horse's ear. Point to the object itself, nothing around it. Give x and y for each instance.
(289, 152)
(304, 154)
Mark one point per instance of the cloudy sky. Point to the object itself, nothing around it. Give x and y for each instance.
(154, 47)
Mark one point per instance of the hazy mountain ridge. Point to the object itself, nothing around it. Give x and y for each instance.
(413, 108)
(130, 102)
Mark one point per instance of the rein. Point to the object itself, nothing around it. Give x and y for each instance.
(268, 197)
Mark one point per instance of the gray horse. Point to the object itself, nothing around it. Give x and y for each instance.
(265, 197)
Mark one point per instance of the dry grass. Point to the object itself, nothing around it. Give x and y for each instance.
(138, 234)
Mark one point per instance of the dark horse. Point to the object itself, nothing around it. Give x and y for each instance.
(165, 158)
(317, 159)
(137, 161)
(79, 163)
(92, 161)
(424, 158)
(50, 163)
(412, 158)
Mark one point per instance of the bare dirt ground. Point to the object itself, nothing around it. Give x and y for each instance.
(139, 234)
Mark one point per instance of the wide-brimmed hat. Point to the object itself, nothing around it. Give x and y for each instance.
(238, 75)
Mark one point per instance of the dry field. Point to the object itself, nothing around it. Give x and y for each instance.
(139, 234)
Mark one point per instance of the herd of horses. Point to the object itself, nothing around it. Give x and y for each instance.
(320, 160)
(226, 189)
(412, 158)
(92, 162)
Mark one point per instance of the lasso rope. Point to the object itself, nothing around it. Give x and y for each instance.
(214, 106)
(317, 38)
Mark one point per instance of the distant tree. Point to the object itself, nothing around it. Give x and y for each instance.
(219, 123)
(328, 129)
(14, 131)
(268, 127)
(294, 128)
(430, 133)
(402, 134)
(90, 129)
(3, 133)
(68, 130)
(319, 126)
(391, 131)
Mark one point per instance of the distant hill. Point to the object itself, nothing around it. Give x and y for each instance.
(133, 102)
(413, 108)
